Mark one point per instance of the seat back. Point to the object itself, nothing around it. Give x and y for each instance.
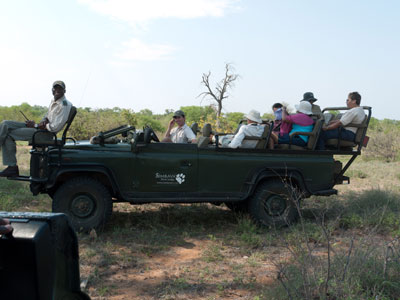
(71, 117)
(195, 128)
(316, 112)
(313, 138)
(361, 131)
(204, 140)
(262, 141)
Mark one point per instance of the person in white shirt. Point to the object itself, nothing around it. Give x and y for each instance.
(253, 128)
(180, 134)
(355, 115)
(11, 131)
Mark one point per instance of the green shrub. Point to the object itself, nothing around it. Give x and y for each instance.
(372, 208)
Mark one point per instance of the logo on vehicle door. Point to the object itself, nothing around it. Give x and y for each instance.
(180, 178)
(170, 178)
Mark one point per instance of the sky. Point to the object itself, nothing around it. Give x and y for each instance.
(151, 54)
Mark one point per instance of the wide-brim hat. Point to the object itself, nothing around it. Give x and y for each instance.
(254, 115)
(304, 107)
(309, 97)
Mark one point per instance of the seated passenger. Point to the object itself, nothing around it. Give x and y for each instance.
(301, 122)
(354, 115)
(316, 110)
(277, 110)
(253, 128)
(180, 134)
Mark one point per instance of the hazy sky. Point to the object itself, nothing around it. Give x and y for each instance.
(151, 53)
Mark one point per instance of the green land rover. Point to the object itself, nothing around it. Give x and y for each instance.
(85, 178)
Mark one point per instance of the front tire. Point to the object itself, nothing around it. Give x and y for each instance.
(275, 204)
(86, 201)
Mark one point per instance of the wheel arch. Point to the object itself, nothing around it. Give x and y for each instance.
(294, 176)
(101, 174)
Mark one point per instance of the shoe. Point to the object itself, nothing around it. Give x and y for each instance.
(10, 171)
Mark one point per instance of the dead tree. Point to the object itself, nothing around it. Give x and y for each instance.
(220, 92)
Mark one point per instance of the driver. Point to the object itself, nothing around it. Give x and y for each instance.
(180, 134)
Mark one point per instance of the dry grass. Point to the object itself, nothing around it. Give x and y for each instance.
(162, 251)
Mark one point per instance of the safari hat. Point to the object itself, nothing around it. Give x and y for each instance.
(304, 107)
(254, 115)
(60, 83)
(309, 97)
(179, 113)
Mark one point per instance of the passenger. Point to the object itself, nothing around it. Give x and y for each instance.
(316, 110)
(180, 134)
(253, 128)
(11, 131)
(301, 122)
(354, 115)
(277, 110)
(5, 226)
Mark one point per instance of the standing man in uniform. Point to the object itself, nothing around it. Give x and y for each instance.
(180, 134)
(11, 131)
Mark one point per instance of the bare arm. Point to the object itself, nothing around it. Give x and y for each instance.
(170, 126)
(285, 115)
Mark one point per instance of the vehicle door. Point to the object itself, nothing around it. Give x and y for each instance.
(166, 167)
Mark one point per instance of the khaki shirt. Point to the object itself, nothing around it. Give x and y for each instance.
(58, 114)
(182, 134)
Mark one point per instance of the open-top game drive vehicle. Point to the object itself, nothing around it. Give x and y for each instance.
(85, 178)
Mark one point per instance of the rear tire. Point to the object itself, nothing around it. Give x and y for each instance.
(275, 204)
(86, 201)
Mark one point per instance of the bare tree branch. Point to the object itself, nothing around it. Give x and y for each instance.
(220, 92)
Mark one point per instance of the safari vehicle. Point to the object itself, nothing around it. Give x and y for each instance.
(85, 178)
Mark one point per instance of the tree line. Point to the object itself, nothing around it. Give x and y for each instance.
(89, 121)
(384, 143)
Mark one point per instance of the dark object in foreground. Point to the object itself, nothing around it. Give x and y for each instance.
(40, 259)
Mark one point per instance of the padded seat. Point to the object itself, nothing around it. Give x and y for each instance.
(263, 139)
(361, 130)
(195, 128)
(44, 138)
(204, 140)
(312, 138)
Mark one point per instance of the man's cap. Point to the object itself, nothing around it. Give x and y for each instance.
(179, 113)
(60, 83)
(309, 97)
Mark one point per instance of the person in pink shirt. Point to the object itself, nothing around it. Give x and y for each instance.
(300, 122)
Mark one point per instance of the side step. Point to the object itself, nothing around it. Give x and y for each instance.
(326, 192)
(28, 178)
(20, 178)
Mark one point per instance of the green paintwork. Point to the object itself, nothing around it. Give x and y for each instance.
(165, 172)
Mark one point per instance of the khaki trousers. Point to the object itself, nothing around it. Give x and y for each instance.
(11, 131)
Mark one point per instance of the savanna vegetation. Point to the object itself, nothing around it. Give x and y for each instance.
(343, 247)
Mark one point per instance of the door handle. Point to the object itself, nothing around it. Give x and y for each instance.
(186, 164)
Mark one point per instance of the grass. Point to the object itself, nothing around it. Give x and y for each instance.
(201, 251)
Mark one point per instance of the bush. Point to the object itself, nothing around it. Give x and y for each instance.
(373, 208)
